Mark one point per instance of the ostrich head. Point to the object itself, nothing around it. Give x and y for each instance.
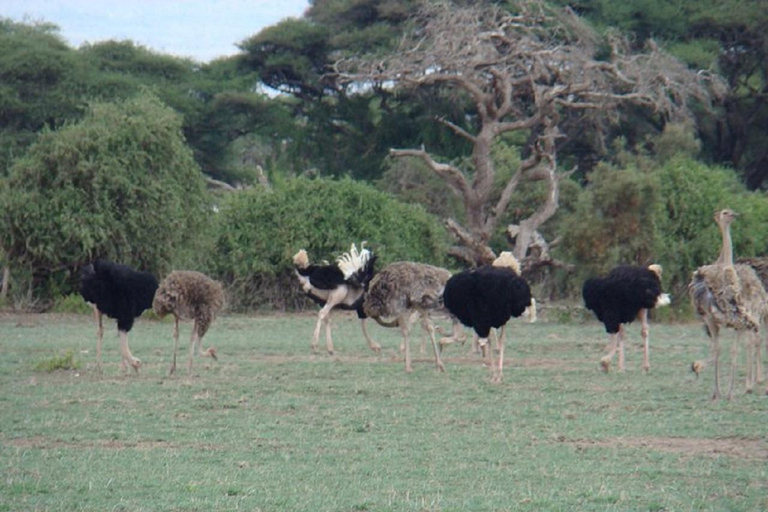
(725, 217)
(300, 259)
(656, 269)
(507, 259)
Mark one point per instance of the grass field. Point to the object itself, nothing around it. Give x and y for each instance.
(271, 426)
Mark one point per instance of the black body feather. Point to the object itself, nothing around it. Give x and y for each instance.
(323, 277)
(486, 297)
(618, 297)
(118, 291)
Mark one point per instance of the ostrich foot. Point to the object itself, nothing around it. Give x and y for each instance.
(605, 363)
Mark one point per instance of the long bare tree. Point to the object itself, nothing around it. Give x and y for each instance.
(528, 69)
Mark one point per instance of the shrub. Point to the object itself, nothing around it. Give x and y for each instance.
(72, 303)
(121, 184)
(688, 236)
(259, 231)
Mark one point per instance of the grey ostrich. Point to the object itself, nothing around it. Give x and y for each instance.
(189, 295)
(725, 294)
(401, 289)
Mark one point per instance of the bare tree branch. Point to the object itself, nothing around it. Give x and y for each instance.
(530, 69)
(452, 175)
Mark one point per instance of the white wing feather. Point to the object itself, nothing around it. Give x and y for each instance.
(352, 261)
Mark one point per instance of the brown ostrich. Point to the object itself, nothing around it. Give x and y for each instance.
(401, 289)
(755, 366)
(725, 294)
(189, 295)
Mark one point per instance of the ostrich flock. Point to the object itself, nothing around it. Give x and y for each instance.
(726, 293)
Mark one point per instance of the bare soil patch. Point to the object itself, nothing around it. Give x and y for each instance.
(743, 448)
(44, 443)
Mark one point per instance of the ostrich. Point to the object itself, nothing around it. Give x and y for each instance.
(626, 293)
(119, 292)
(339, 286)
(729, 295)
(189, 295)
(487, 297)
(760, 266)
(401, 289)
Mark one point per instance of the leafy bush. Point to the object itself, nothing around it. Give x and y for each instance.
(613, 222)
(121, 184)
(689, 237)
(72, 303)
(259, 231)
(662, 215)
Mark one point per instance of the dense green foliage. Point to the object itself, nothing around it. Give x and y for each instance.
(120, 184)
(38, 85)
(729, 37)
(663, 214)
(258, 231)
(627, 203)
(271, 426)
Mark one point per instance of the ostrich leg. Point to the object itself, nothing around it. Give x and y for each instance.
(125, 352)
(605, 362)
(372, 344)
(645, 333)
(428, 327)
(405, 328)
(175, 344)
(100, 336)
(499, 375)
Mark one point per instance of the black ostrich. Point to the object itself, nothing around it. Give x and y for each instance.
(625, 294)
(487, 297)
(339, 286)
(119, 292)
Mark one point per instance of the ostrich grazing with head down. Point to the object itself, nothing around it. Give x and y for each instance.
(626, 293)
(401, 289)
(119, 292)
(189, 295)
(730, 295)
(487, 297)
(339, 286)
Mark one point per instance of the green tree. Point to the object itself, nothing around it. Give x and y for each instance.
(120, 184)
(39, 85)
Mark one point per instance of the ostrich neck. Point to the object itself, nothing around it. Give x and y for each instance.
(726, 253)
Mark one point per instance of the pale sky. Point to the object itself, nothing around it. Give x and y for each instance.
(200, 29)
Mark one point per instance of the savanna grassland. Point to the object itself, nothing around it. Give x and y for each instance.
(271, 426)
